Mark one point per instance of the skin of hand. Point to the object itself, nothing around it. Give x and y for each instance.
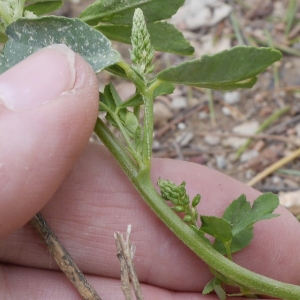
(48, 108)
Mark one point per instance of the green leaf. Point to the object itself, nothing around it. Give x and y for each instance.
(216, 227)
(261, 209)
(3, 36)
(135, 100)
(228, 69)
(138, 139)
(29, 35)
(107, 98)
(169, 38)
(41, 8)
(164, 89)
(121, 12)
(239, 242)
(242, 216)
(209, 287)
(237, 210)
(129, 120)
(115, 95)
(117, 71)
(215, 285)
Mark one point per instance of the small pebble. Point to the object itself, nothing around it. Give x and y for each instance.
(179, 103)
(185, 138)
(221, 162)
(181, 126)
(246, 128)
(226, 111)
(232, 97)
(203, 115)
(276, 180)
(212, 140)
(249, 174)
(234, 142)
(248, 155)
(156, 145)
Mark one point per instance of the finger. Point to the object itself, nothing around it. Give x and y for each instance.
(39, 285)
(49, 107)
(96, 200)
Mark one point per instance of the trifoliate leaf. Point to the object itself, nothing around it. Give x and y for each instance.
(242, 216)
(121, 12)
(229, 69)
(29, 35)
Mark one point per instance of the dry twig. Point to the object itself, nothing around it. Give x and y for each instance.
(280, 163)
(125, 254)
(63, 258)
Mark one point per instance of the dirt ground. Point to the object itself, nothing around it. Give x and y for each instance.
(208, 127)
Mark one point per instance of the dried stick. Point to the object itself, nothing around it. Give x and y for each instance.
(63, 258)
(125, 254)
(280, 163)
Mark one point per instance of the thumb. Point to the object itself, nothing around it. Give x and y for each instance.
(48, 109)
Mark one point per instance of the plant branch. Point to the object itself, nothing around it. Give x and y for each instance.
(120, 126)
(116, 148)
(133, 76)
(248, 279)
(148, 127)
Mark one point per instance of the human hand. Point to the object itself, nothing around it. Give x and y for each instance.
(45, 162)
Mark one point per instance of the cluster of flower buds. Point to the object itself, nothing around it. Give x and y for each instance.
(142, 52)
(177, 195)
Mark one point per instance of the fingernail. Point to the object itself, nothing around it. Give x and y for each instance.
(38, 79)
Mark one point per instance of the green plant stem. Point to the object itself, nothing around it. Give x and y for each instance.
(116, 148)
(236, 28)
(123, 131)
(133, 76)
(256, 283)
(290, 16)
(148, 127)
(147, 94)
